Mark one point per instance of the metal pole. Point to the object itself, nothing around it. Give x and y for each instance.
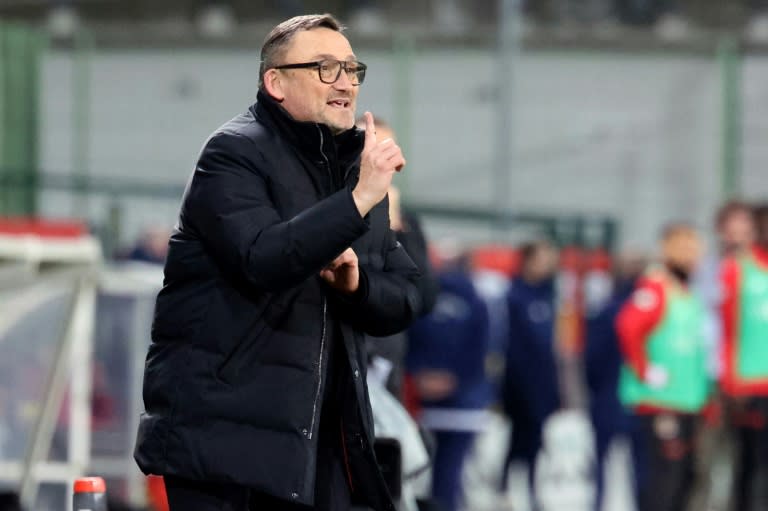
(20, 50)
(507, 50)
(731, 115)
(403, 58)
(81, 80)
(14, 124)
(4, 125)
(81, 375)
(35, 44)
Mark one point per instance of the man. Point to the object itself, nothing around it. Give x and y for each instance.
(281, 262)
(446, 358)
(602, 365)
(744, 379)
(735, 230)
(530, 390)
(735, 227)
(665, 379)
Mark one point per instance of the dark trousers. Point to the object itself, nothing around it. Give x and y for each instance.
(603, 444)
(751, 481)
(669, 443)
(524, 445)
(331, 492)
(451, 451)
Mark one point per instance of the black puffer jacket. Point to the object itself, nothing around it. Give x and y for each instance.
(234, 375)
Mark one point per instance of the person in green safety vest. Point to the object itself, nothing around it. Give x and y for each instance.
(744, 378)
(665, 379)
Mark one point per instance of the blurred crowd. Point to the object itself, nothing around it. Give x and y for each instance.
(665, 350)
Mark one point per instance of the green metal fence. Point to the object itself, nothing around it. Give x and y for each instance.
(20, 54)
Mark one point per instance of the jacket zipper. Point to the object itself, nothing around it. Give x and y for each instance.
(325, 315)
(327, 161)
(319, 372)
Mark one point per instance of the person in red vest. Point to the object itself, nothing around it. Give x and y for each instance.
(744, 378)
(665, 379)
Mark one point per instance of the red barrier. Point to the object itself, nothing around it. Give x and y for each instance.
(42, 227)
(158, 500)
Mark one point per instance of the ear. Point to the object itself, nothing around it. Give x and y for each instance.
(273, 84)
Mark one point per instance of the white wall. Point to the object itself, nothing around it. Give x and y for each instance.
(633, 136)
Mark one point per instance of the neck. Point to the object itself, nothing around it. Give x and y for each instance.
(681, 274)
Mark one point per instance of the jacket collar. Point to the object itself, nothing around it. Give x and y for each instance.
(312, 139)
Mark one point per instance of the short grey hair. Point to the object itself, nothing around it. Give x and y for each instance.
(279, 37)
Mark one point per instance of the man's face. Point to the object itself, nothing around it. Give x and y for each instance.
(306, 98)
(737, 232)
(684, 250)
(543, 265)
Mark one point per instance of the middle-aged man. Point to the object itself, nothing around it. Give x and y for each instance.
(282, 260)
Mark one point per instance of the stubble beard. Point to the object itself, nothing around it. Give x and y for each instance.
(336, 122)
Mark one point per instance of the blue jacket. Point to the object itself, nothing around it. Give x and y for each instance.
(454, 338)
(602, 363)
(530, 392)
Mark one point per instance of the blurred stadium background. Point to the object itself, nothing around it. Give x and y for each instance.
(590, 121)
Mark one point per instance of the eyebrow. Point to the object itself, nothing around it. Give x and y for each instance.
(323, 56)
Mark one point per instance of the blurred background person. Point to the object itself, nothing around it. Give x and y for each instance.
(665, 379)
(734, 235)
(151, 247)
(745, 364)
(602, 364)
(387, 354)
(446, 359)
(530, 391)
(734, 228)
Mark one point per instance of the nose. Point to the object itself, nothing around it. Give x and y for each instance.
(343, 83)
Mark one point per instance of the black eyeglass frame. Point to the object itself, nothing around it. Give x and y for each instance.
(343, 66)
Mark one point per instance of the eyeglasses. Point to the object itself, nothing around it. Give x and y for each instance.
(329, 70)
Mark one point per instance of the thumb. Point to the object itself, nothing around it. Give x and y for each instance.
(370, 131)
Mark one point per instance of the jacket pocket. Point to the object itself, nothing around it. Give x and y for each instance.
(251, 334)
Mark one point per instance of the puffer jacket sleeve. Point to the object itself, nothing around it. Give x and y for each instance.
(388, 300)
(228, 205)
(415, 243)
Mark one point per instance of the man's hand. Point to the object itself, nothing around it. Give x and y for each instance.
(378, 163)
(343, 273)
(656, 377)
(435, 384)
